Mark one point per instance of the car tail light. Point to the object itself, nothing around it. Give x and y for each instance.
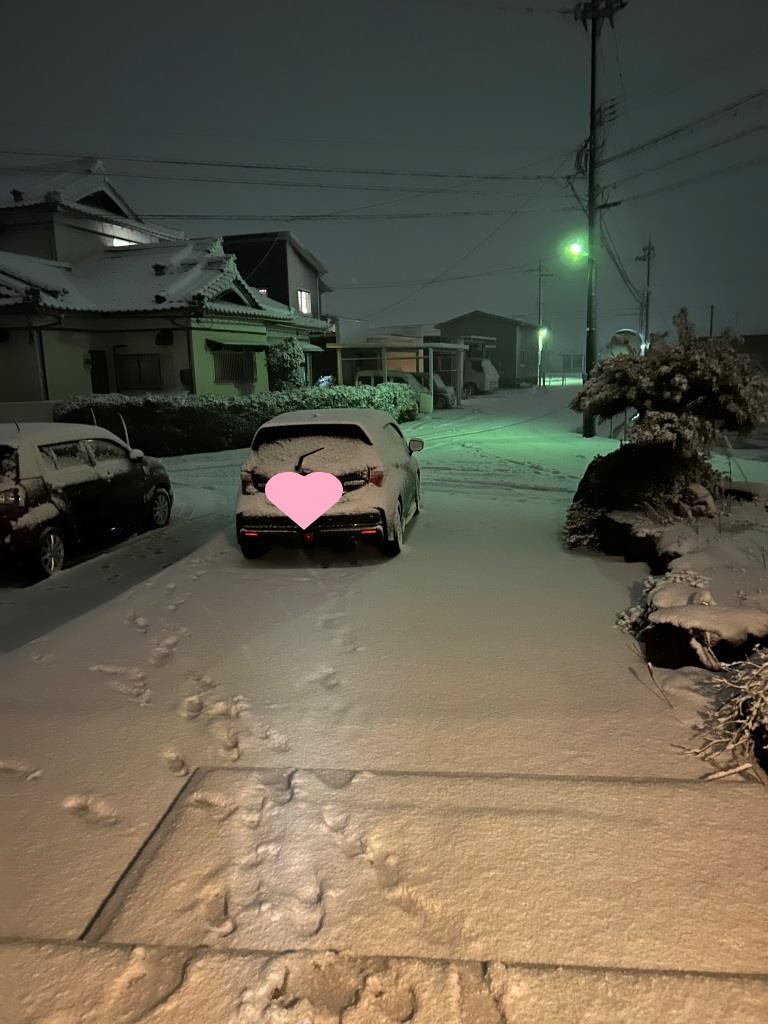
(15, 497)
(376, 476)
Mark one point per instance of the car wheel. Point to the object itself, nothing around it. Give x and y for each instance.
(395, 546)
(253, 548)
(159, 509)
(51, 552)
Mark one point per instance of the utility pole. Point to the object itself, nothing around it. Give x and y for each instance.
(711, 319)
(645, 314)
(595, 12)
(540, 329)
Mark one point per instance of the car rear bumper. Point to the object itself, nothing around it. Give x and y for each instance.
(281, 530)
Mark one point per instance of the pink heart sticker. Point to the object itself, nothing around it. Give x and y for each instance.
(303, 498)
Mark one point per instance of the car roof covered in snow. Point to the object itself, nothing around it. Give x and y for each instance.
(51, 433)
(367, 419)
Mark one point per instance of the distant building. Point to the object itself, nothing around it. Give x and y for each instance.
(516, 353)
(756, 347)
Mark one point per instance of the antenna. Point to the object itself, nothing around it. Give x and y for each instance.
(125, 430)
(93, 417)
(17, 425)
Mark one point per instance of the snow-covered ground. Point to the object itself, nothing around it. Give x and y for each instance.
(482, 771)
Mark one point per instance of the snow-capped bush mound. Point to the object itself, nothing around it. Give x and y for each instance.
(649, 477)
(185, 424)
(285, 365)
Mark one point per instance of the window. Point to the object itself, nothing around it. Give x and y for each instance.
(305, 302)
(65, 455)
(105, 451)
(233, 367)
(9, 462)
(139, 373)
(119, 243)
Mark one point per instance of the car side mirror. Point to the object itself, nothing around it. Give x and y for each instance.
(135, 454)
(415, 445)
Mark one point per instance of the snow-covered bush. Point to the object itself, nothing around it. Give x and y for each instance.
(738, 726)
(684, 391)
(286, 365)
(183, 424)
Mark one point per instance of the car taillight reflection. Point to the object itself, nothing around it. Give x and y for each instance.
(376, 476)
(12, 497)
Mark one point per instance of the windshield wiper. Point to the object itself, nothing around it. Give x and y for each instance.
(298, 466)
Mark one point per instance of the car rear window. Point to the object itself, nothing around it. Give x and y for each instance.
(9, 462)
(269, 435)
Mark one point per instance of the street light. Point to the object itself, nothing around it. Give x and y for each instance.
(541, 334)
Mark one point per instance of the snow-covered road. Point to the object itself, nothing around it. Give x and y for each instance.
(485, 652)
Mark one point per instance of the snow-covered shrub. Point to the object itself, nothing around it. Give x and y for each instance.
(684, 391)
(286, 365)
(738, 726)
(184, 424)
(684, 394)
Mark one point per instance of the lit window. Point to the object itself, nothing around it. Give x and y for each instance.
(305, 302)
(262, 291)
(118, 243)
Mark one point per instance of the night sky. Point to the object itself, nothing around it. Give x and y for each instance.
(435, 88)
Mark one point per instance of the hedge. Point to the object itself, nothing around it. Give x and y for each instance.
(185, 424)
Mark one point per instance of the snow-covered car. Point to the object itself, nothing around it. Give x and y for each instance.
(65, 484)
(364, 448)
(444, 396)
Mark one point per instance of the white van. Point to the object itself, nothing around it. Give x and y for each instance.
(480, 376)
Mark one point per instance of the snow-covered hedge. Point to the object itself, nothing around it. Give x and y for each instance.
(185, 424)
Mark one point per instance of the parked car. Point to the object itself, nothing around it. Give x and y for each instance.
(65, 484)
(480, 376)
(364, 448)
(444, 396)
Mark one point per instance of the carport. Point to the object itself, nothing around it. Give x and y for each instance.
(392, 352)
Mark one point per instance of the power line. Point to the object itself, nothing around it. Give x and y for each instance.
(744, 133)
(729, 108)
(271, 183)
(464, 256)
(759, 159)
(302, 168)
(425, 215)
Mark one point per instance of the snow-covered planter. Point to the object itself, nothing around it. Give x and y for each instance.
(184, 424)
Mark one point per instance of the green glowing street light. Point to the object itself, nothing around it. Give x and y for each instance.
(576, 250)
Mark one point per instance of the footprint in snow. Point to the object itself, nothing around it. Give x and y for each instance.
(175, 762)
(90, 809)
(215, 804)
(325, 677)
(19, 770)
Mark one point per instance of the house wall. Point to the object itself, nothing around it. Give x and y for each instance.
(302, 275)
(20, 379)
(205, 383)
(77, 239)
(29, 237)
(504, 356)
(67, 366)
(122, 341)
(262, 264)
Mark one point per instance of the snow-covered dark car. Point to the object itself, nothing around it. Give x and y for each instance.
(63, 484)
(364, 448)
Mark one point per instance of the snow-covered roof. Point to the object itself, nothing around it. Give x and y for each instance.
(77, 186)
(482, 312)
(49, 433)
(155, 276)
(365, 418)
